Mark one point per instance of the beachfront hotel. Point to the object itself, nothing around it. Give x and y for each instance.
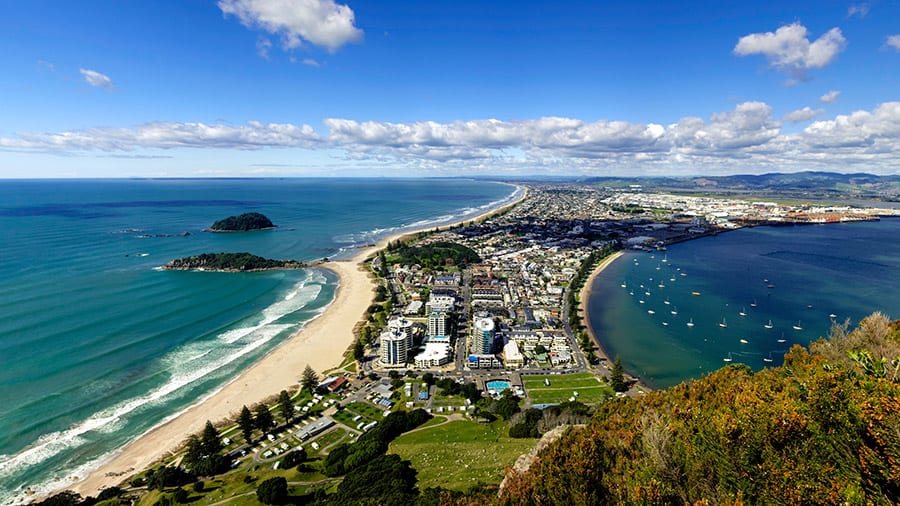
(482, 342)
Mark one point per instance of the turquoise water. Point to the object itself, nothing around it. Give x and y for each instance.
(98, 346)
(495, 386)
(794, 276)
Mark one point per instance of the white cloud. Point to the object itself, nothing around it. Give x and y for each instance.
(861, 10)
(320, 22)
(168, 135)
(894, 41)
(744, 139)
(805, 114)
(830, 97)
(310, 62)
(96, 79)
(789, 50)
(878, 130)
(262, 47)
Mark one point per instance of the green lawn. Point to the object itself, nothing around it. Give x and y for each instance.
(590, 389)
(367, 410)
(459, 454)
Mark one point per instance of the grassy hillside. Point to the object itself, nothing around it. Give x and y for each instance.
(822, 429)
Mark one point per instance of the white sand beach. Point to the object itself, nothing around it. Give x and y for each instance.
(321, 344)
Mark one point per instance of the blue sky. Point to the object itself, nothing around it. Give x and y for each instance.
(319, 87)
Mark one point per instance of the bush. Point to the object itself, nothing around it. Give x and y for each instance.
(180, 495)
(198, 486)
(109, 493)
(272, 491)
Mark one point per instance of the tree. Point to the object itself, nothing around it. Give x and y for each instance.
(359, 350)
(180, 495)
(264, 419)
(64, 498)
(617, 377)
(539, 349)
(210, 441)
(272, 491)
(245, 422)
(428, 378)
(286, 406)
(310, 379)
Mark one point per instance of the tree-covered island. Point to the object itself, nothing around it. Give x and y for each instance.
(230, 262)
(242, 223)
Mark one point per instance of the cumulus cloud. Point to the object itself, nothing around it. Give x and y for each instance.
(789, 50)
(746, 138)
(320, 22)
(893, 41)
(96, 79)
(830, 97)
(168, 135)
(310, 62)
(805, 114)
(860, 10)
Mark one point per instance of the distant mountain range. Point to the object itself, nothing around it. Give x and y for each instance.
(797, 184)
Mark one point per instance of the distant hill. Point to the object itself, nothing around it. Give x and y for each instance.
(242, 223)
(822, 429)
(811, 184)
(807, 184)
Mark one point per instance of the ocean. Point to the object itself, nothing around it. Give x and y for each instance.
(778, 277)
(97, 345)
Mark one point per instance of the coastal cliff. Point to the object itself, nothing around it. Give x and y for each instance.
(230, 262)
(242, 223)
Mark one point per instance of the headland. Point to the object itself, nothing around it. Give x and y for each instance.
(321, 344)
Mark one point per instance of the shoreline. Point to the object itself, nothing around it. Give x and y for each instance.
(315, 344)
(584, 295)
(583, 301)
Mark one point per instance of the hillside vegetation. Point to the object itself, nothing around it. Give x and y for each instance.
(435, 255)
(230, 262)
(822, 429)
(242, 223)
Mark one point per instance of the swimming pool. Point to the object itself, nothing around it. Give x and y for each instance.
(496, 386)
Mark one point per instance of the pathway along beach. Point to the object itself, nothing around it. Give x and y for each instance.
(320, 344)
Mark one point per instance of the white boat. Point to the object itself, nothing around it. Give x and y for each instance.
(797, 326)
(666, 259)
(744, 341)
(723, 324)
(646, 293)
(743, 311)
(753, 304)
(650, 311)
(690, 323)
(631, 292)
(684, 275)
(666, 302)
(641, 301)
(665, 324)
(623, 285)
(674, 310)
(661, 285)
(768, 325)
(767, 360)
(728, 358)
(672, 279)
(832, 316)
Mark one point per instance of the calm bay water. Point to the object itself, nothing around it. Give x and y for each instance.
(791, 276)
(98, 346)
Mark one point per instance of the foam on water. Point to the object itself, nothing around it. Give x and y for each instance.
(182, 368)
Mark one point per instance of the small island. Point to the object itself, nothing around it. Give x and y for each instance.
(230, 262)
(242, 223)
